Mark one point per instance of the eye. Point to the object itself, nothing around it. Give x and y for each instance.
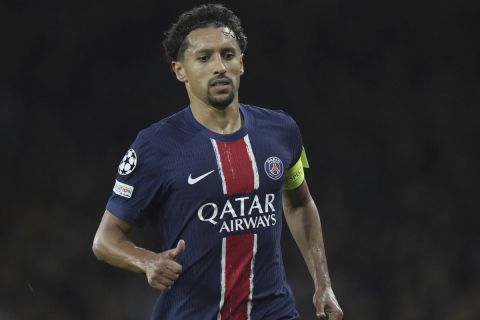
(203, 58)
(229, 55)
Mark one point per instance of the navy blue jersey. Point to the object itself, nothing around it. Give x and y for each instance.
(222, 194)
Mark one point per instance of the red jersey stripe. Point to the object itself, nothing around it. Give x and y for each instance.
(238, 254)
(237, 166)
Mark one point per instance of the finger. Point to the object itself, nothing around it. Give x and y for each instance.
(178, 251)
(335, 315)
(173, 266)
(159, 286)
(163, 281)
(164, 267)
(333, 310)
(160, 283)
(320, 311)
(167, 273)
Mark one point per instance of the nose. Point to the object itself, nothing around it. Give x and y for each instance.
(219, 65)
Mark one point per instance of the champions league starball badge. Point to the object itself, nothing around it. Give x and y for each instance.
(274, 168)
(128, 163)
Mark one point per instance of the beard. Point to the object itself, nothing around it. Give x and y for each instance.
(220, 102)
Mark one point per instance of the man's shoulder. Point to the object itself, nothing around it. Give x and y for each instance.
(167, 132)
(171, 125)
(269, 115)
(267, 112)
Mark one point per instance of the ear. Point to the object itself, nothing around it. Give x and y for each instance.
(242, 69)
(177, 68)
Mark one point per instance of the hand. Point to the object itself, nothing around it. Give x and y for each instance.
(162, 270)
(326, 304)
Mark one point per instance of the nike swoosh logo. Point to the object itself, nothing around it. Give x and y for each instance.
(195, 180)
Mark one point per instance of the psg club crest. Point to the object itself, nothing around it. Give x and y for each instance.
(128, 163)
(274, 168)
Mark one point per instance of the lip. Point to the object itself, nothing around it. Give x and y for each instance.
(222, 82)
(222, 86)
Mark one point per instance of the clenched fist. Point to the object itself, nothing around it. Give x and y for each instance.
(162, 269)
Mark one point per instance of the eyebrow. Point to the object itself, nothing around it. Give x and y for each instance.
(203, 51)
(208, 51)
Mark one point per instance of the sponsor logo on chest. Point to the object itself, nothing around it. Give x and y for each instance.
(239, 214)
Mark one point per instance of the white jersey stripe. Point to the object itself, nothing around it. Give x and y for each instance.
(256, 179)
(219, 164)
(249, 305)
(222, 279)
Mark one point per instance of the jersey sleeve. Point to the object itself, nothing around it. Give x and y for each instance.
(295, 174)
(294, 138)
(137, 183)
(297, 143)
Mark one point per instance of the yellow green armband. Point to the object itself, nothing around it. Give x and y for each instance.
(295, 175)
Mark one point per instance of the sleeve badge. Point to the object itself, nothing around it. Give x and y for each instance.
(128, 163)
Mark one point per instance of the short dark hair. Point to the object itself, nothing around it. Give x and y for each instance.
(202, 16)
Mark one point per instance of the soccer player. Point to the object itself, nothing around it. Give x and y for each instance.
(215, 181)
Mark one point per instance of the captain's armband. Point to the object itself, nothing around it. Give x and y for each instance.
(295, 175)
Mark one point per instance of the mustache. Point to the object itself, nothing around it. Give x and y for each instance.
(221, 79)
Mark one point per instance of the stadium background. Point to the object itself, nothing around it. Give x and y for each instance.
(387, 95)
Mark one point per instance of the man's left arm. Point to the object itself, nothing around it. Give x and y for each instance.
(303, 221)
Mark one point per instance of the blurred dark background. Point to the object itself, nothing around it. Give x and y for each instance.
(387, 95)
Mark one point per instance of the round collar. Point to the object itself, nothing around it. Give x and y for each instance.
(218, 136)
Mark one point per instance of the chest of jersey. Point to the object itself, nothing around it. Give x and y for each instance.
(226, 186)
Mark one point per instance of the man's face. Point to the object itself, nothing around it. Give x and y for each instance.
(211, 66)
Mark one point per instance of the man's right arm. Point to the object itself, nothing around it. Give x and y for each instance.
(112, 245)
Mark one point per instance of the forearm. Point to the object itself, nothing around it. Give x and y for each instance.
(120, 252)
(112, 245)
(304, 224)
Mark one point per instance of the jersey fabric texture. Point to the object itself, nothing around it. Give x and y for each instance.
(222, 195)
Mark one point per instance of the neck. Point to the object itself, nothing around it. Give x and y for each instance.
(226, 121)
